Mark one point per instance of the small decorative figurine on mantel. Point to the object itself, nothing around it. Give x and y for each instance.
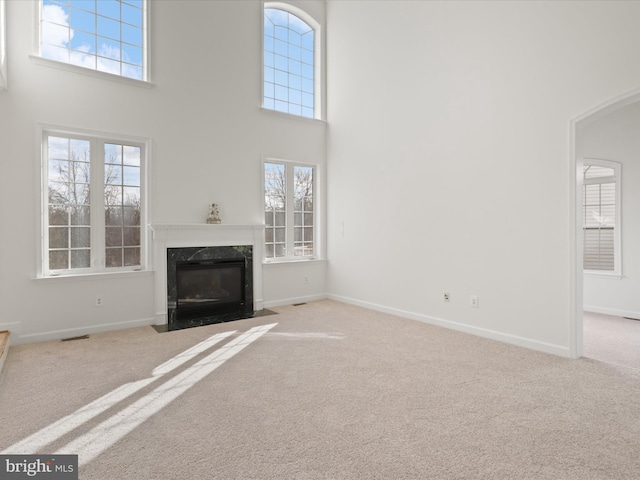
(214, 214)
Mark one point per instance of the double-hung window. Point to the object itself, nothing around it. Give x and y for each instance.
(601, 216)
(93, 204)
(290, 213)
(290, 61)
(103, 35)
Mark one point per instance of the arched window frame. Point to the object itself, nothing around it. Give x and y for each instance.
(317, 52)
(617, 237)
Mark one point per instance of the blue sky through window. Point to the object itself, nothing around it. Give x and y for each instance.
(104, 35)
(288, 63)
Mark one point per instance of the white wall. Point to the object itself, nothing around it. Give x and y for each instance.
(208, 136)
(294, 282)
(616, 137)
(3, 55)
(449, 155)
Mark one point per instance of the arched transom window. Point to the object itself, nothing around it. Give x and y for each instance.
(289, 63)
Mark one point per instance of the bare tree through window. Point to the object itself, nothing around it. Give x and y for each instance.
(303, 211)
(289, 210)
(122, 205)
(275, 184)
(69, 203)
(71, 214)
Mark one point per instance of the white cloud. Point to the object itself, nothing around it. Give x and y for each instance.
(55, 26)
(109, 66)
(109, 51)
(56, 45)
(55, 14)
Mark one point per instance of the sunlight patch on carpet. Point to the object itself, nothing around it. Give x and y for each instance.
(101, 437)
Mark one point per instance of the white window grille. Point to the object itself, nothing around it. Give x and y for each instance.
(103, 35)
(290, 213)
(93, 204)
(290, 63)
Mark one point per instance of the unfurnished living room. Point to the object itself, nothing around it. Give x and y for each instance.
(309, 239)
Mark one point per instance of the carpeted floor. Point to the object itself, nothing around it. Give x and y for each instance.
(331, 391)
(612, 339)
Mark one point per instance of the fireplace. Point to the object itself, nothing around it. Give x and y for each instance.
(208, 285)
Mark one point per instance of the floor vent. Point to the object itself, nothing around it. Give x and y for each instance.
(81, 337)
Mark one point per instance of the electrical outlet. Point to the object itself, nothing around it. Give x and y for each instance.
(99, 302)
(446, 297)
(306, 279)
(474, 301)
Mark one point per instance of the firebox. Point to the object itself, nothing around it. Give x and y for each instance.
(208, 285)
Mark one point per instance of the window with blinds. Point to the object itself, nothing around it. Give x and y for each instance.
(601, 216)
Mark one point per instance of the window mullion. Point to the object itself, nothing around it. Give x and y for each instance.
(97, 205)
(290, 209)
(45, 202)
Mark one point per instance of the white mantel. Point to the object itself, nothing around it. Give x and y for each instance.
(165, 236)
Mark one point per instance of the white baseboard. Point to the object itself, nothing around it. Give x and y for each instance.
(79, 331)
(612, 311)
(291, 301)
(559, 350)
(13, 327)
(258, 304)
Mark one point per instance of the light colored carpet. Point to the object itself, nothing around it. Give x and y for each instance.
(612, 339)
(332, 391)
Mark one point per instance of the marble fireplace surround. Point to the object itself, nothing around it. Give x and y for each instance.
(166, 236)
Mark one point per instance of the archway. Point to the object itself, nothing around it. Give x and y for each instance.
(576, 339)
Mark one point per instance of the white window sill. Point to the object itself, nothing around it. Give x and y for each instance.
(609, 275)
(82, 277)
(286, 261)
(90, 72)
(318, 121)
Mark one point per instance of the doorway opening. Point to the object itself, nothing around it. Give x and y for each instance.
(590, 135)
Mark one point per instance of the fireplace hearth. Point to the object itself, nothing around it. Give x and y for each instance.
(208, 285)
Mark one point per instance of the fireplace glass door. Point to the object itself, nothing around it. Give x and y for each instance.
(210, 287)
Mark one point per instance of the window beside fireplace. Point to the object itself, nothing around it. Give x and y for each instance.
(290, 211)
(93, 203)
